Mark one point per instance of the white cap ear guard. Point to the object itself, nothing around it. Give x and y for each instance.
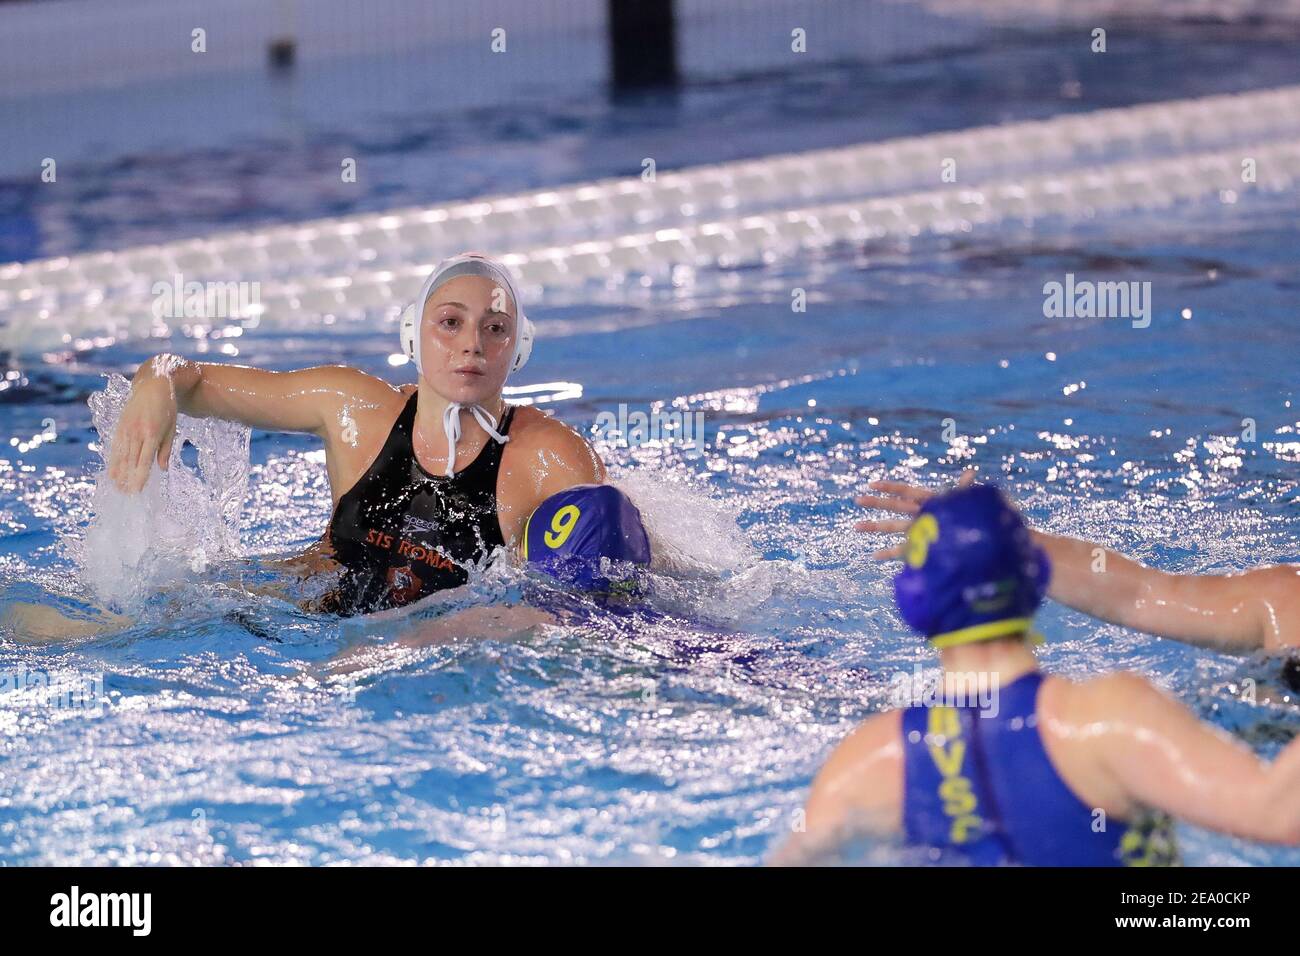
(467, 264)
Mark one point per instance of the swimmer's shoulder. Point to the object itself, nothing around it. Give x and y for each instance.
(1118, 688)
(861, 783)
(1076, 725)
(359, 411)
(532, 426)
(1088, 717)
(363, 394)
(878, 738)
(543, 457)
(552, 450)
(859, 789)
(1064, 705)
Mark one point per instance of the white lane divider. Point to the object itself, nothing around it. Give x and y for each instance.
(726, 214)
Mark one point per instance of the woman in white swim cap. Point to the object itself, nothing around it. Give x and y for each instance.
(426, 479)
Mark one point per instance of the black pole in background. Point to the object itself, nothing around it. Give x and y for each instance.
(642, 43)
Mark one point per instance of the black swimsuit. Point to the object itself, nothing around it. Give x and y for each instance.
(401, 533)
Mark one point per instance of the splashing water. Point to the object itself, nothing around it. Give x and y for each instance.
(703, 565)
(183, 520)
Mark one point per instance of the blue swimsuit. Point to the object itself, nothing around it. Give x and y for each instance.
(982, 790)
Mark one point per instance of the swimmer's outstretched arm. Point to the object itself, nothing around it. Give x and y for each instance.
(311, 400)
(471, 624)
(1239, 612)
(30, 623)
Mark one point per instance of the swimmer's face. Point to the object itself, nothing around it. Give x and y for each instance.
(468, 331)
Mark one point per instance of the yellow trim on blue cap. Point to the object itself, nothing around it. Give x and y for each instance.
(526, 520)
(987, 632)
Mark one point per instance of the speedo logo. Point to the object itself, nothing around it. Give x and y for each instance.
(102, 909)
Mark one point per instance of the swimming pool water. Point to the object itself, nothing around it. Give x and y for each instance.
(693, 738)
(551, 136)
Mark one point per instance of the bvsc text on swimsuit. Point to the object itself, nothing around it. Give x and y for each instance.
(683, 429)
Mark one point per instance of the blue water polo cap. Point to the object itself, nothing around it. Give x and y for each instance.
(589, 536)
(971, 571)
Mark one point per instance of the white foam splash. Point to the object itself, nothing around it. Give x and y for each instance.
(691, 533)
(181, 521)
(702, 562)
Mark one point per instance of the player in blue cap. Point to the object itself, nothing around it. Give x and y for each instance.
(590, 537)
(1241, 612)
(1007, 765)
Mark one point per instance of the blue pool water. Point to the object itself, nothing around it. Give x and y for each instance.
(692, 738)
(550, 136)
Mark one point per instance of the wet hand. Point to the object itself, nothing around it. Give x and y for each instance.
(144, 434)
(900, 498)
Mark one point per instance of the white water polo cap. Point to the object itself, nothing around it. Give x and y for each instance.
(468, 264)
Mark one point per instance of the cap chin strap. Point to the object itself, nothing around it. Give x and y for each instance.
(988, 631)
(451, 428)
